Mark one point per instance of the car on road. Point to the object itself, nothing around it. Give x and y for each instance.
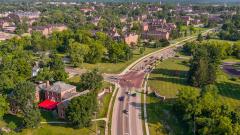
(113, 77)
(125, 111)
(134, 94)
(121, 98)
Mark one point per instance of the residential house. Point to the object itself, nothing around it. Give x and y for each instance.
(153, 9)
(131, 38)
(186, 19)
(114, 34)
(49, 29)
(96, 20)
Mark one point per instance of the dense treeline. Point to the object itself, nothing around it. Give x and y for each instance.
(205, 113)
(80, 110)
(206, 60)
(225, 49)
(230, 29)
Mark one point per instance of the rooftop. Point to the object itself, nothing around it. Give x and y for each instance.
(60, 87)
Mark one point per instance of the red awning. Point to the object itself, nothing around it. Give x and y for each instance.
(48, 104)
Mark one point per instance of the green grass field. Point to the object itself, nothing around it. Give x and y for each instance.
(167, 79)
(53, 129)
(161, 120)
(103, 107)
(117, 67)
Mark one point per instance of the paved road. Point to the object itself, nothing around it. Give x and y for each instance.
(127, 117)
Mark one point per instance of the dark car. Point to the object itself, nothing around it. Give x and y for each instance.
(125, 111)
(134, 94)
(121, 98)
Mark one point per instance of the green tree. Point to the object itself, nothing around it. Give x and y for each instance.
(77, 52)
(80, 110)
(4, 105)
(32, 118)
(95, 53)
(24, 96)
(91, 80)
(58, 69)
(200, 38)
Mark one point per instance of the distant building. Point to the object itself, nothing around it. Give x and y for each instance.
(153, 9)
(96, 20)
(114, 34)
(131, 39)
(49, 29)
(188, 20)
(156, 35)
(157, 29)
(5, 36)
(29, 16)
(87, 10)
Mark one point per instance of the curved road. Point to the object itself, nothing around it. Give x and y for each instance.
(127, 118)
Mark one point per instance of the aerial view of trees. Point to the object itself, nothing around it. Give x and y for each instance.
(24, 100)
(80, 110)
(230, 29)
(204, 65)
(205, 113)
(91, 80)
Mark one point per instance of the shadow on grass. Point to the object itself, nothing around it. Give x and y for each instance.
(161, 117)
(13, 118)
(181, 81)
(228, 89)
(167, 72)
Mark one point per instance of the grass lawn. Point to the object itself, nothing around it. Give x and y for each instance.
(53, 129)
(160, 119)
(117, 67)
(169, 77)
(231, 59)
(224, 41)
(229, 90)
(103, 107)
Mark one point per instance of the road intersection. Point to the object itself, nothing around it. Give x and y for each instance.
(126, 117)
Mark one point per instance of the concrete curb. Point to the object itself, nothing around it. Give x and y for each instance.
(145, 106)
(109, 109)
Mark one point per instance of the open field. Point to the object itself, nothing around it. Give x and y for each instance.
(167, 79)
(53, 129)
(229, 89)
(103, 107)
(118, 67)
(161, 121)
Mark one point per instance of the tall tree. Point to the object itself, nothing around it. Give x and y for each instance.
(80, 110)
(91, 80)
(4, 105)
(77, 52)
(24, 96)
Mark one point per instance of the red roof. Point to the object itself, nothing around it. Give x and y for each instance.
(48, 104)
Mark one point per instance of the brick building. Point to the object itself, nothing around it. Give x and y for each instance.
(47, 30)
